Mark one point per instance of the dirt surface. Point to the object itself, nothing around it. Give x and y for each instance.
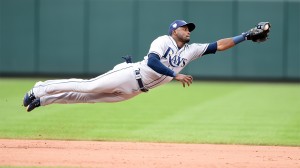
(52, 153)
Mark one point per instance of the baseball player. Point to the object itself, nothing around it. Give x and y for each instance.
(167, 56)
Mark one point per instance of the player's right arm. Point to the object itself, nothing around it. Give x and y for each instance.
(157, 50)
(155, 64)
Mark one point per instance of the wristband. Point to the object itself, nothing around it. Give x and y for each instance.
(238, 39)
(174, 74)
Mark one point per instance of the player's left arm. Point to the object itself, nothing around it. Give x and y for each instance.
(256, 34)
(226, 43)
(223, 44)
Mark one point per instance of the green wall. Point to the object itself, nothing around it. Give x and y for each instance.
(90, 36)
(17, 36)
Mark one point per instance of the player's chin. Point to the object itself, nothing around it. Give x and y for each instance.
(187, 40)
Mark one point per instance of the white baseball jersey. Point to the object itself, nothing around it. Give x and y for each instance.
(170, 56)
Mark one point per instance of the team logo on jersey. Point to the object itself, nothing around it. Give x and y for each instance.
(177, 61)
(174, 60)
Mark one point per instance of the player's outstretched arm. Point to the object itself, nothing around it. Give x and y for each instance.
(224, 44)
(256, 34)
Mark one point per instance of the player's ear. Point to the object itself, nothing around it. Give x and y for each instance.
(174, 31)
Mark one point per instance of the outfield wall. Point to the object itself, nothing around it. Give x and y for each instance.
(88, 37)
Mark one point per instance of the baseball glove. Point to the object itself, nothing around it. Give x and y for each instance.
(259, 33)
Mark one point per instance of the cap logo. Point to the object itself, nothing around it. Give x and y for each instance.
(174, 25)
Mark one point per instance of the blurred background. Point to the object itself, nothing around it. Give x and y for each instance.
(88, 37)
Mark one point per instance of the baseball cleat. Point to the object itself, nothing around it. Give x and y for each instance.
(34, 104)
(28, 98)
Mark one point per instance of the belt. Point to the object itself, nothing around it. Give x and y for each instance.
(138, 78)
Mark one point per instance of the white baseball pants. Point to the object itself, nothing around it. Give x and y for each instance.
(116, 85)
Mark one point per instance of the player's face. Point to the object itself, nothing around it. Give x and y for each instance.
(183, 34)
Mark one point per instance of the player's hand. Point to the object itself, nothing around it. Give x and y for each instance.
(184, 79)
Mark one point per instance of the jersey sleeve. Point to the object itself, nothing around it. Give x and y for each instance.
(198, 49)
(157, 66)
(158, 46)
(212, 48)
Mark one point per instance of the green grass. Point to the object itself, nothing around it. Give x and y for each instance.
(206, 112)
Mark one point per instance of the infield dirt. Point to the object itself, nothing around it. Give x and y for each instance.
(53, 153)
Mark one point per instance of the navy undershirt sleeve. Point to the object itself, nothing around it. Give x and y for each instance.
(211, 49)
(155, 64)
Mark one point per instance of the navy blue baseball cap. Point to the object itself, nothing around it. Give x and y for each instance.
(179, 23)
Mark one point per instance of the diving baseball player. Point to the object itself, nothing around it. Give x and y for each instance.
(167, 56)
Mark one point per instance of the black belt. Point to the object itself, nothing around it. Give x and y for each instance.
(138, 78)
